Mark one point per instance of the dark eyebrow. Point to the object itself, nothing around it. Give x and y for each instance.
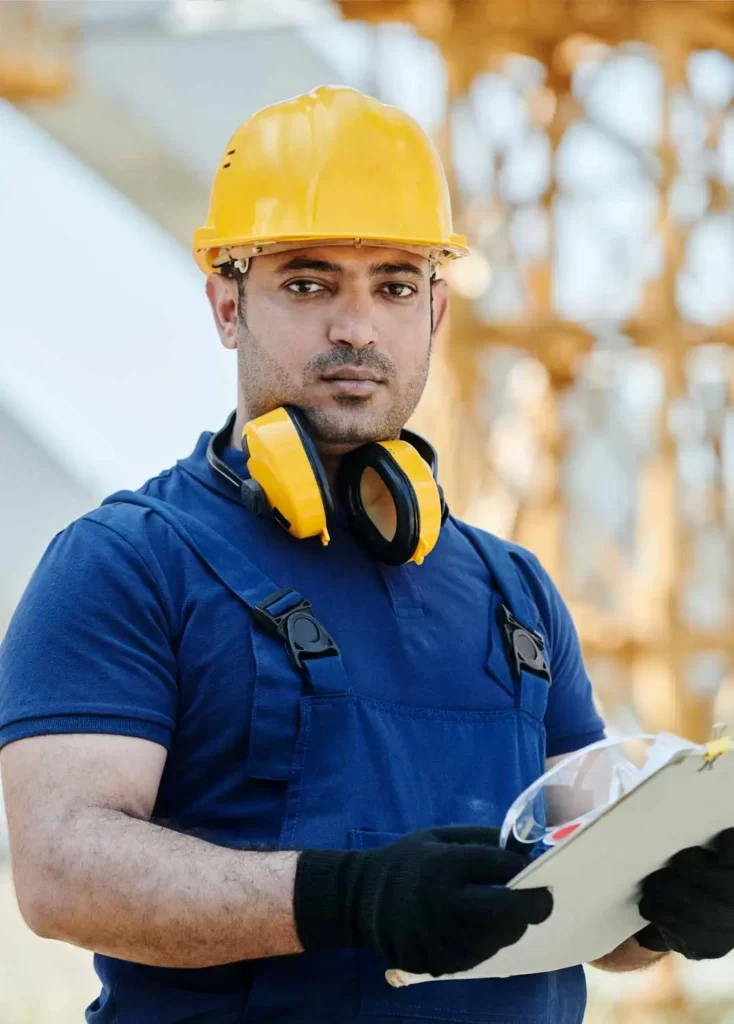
(304, 263)
(378, 269)
(324, 267)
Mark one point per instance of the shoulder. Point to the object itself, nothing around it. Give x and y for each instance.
(110, 535)
(528, 565)
(129, 528)
(534, 578)
(115, 546)
(103, 553)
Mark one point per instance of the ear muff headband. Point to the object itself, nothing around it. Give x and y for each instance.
(284, 462)
(408, 488)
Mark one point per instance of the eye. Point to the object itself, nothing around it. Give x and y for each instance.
(304, 287)
(399, 290)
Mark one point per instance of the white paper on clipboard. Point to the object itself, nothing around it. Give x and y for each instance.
(595, 874)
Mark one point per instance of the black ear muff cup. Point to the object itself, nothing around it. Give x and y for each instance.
(300, 423)
(395, 549)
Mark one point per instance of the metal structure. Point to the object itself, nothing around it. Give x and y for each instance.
(594, 371)
(37, 49)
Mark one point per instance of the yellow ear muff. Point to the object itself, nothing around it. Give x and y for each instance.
(282, 458)
(392, 501)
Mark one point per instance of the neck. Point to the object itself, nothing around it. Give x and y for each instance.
(331, 465)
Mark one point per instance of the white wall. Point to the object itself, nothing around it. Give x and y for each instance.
(110, 365)
(108, 354)
(195, 91)
(37, 499)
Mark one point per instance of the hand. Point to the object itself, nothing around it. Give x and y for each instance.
(432, 902)
(690, 902)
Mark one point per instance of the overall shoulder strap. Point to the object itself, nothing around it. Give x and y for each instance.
(280, 611)
(283, 619)
(504, 570)
(518, 617)
(232, 566)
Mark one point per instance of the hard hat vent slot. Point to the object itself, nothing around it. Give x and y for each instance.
(226, 165)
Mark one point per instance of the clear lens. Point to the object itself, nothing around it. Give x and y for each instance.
(577, 789)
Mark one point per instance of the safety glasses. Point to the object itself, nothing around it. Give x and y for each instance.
(577, 789)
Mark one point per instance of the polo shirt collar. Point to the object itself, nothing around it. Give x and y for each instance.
(197, 466)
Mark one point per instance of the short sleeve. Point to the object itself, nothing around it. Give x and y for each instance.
(571, 718)
(89, 646)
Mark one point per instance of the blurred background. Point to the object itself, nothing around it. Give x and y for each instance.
(581, 399)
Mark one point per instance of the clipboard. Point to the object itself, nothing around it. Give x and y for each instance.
(595, 873)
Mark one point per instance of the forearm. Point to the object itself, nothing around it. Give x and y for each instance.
(133, 890)
(630, 956)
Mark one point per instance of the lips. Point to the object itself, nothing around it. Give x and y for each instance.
(352, 382)
(352, 373)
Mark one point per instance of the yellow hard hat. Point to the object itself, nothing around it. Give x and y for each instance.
(331, 167)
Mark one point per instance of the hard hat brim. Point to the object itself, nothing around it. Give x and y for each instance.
(208, 252)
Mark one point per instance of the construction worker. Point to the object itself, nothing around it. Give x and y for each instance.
(262, 717)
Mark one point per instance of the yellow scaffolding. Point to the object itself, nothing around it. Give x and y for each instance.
(38, 43)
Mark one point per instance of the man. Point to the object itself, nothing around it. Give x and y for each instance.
(261, 719)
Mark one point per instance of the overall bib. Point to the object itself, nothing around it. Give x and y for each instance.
(360, 772)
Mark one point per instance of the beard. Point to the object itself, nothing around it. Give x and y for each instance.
(344, 422)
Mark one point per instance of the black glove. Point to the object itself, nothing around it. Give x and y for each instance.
(431, 902)
(690, 902)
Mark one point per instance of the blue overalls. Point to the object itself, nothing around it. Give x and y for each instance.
(361, 772)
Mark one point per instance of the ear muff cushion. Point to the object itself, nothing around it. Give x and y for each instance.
(309, 446)
(399, 548)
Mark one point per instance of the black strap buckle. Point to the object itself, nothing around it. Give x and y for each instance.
(303, 635)
(524, 646)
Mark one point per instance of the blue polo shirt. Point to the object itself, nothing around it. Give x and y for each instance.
(123, 630)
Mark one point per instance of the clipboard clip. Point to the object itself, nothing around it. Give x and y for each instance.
(715, 748)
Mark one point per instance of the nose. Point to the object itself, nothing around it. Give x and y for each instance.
(354, 326)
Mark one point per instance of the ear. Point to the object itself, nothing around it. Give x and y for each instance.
(222, 294)
(440, 301)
